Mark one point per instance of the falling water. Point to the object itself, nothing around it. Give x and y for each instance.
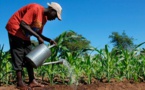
(71, 74)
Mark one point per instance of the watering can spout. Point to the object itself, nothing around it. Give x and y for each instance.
(55, 62)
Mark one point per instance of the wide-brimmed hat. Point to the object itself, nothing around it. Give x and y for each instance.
(56, 7)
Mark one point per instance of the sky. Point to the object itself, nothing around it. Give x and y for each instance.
(93, 19)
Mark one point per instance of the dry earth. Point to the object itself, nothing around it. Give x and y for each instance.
(124, 85)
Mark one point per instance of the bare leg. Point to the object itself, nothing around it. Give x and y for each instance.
(20, 84)
(30, 73)
(19, 78)
(32, 81)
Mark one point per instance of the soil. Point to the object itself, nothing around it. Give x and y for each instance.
(123, 85)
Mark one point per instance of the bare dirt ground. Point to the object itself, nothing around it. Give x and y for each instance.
(123, 85)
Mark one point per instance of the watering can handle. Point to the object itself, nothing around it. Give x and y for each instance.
(51, 46)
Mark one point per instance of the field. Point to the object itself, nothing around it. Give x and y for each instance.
(124, 85)
(118, 69)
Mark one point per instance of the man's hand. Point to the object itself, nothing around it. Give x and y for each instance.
(40, 40)
(52, 42)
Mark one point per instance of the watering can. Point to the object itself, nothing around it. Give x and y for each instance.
(39, 54)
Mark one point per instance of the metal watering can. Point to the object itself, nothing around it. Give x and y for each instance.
(39, 54)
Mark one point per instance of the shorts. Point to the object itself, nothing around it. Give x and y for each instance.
(19, 48)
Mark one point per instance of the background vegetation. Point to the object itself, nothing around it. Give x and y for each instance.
(125, 60)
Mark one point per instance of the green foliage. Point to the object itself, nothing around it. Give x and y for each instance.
(122, 40)
(73, 41)
(6, 71)
(118, 63)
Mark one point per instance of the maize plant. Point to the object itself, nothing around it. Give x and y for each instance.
(83, 65)
(7, 73)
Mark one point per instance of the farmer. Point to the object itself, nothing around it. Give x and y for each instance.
(28, 21)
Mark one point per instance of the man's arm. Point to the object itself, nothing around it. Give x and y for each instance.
(47, 39)
(26, 27)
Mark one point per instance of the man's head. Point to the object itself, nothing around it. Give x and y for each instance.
(54, 11)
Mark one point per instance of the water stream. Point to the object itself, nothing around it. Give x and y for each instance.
(71, 74)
